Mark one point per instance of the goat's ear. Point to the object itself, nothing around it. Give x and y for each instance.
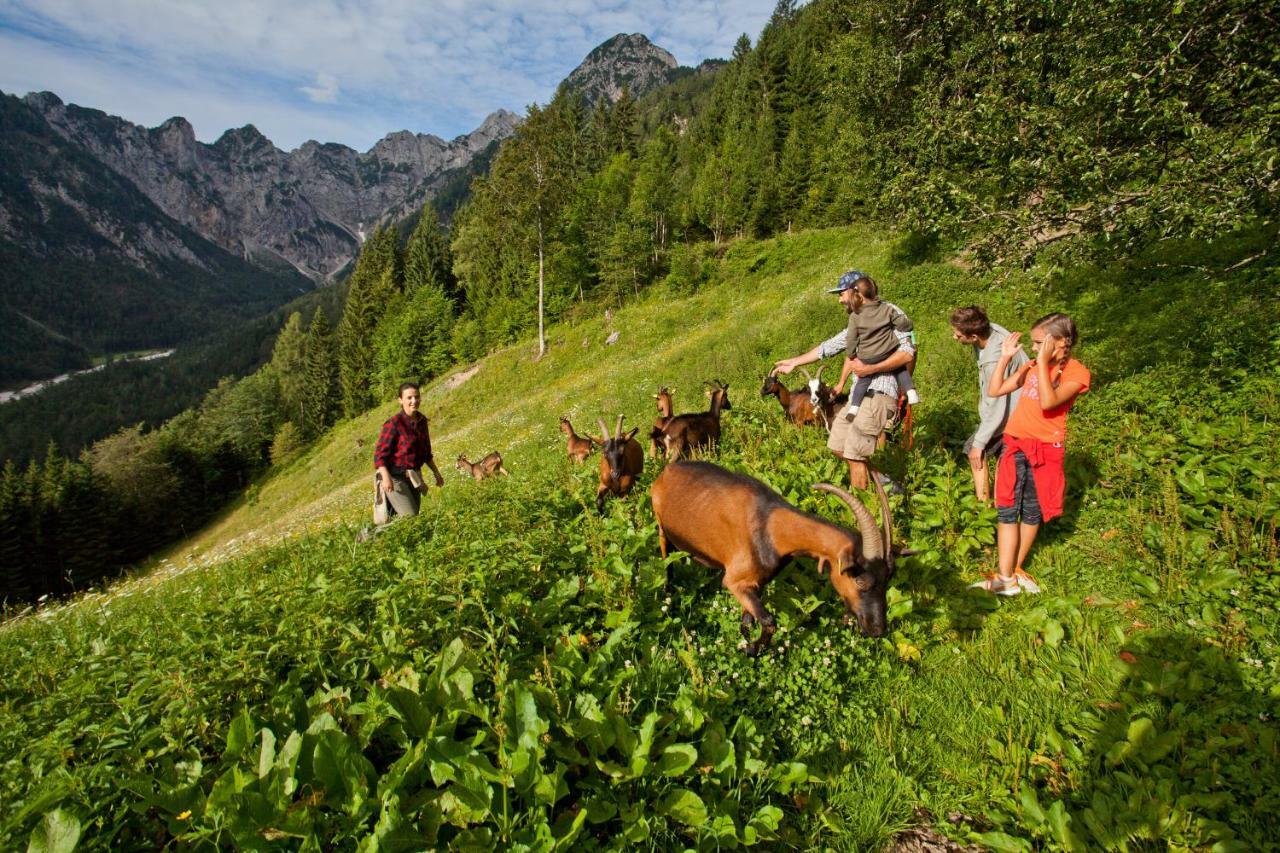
(631, 433)
(596, 441)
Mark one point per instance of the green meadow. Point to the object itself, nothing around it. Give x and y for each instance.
(509, 671)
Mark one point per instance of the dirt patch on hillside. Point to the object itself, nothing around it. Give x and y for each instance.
(458, 378)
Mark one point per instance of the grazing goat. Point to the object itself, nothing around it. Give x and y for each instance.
(490, 466)
(796, 405)
(579, 447)
(621, 461)
(657, 439)
(736, 523)
(683, 433)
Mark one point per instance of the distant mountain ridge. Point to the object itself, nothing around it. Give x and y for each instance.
(309, 207)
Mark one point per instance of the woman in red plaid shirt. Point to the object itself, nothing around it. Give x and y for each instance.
(404, 446)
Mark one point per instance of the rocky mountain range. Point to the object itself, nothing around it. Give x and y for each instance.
(114, 235)
(308, 208)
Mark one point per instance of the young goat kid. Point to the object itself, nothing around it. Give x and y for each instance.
(621, 461)
(736, 523)
(579, 447)
(683, 433)
(490, 466)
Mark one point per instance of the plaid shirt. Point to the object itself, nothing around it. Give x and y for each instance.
(403, 444)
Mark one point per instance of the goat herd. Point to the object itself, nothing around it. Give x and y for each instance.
(735, 523)
(732, 522)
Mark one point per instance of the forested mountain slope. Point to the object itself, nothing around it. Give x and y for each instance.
(508, 669)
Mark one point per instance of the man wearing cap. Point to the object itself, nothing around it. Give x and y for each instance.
(855, 441)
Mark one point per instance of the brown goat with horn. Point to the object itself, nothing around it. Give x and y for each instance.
(736, 523)
(490, 466)
(621, 461)
(657, 438)
(683, 433)
(796, 405)
(579, 446)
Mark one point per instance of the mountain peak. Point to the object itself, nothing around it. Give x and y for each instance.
(42, 101)
(626, 61)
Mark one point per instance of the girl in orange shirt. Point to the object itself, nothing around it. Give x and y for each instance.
(1030, 483)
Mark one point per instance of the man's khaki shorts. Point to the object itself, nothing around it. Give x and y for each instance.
(856, 440)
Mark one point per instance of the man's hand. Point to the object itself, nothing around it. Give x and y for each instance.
(975, 458)
(384, 480)
(785, 366)
(860, 368)
(439, 481)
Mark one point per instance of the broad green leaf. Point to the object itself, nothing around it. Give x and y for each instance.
(1059, 821)
(1140, 730)
(677, 759)
(684, 806)
(266, 752)
(239, 735)
(1001, 842)
(57, 832)
(1031, 811)
(767, 817)
(644, 744)
(342, 770)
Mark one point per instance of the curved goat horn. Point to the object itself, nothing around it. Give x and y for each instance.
(807, 376)
(871, 541)
(618, 429)
(821, 367)
(886, 524)
(604, 430)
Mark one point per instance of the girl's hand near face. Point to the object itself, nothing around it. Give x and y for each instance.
(1011, 345)
(1048, 347)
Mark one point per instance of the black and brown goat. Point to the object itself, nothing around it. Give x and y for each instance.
(736, 523)
(621, 461)
(579, 446)
(701, 430)
(823, 398)
(490, 466)
(657, 438)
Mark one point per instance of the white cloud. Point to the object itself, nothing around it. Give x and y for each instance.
(435, 67)
(325, 91)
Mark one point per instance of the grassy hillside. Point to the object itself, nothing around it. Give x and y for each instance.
(506, 670)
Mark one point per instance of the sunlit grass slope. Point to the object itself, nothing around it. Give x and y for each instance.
(508, 671)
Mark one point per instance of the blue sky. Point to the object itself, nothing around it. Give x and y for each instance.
(335, 70)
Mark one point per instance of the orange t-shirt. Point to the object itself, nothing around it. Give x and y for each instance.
(1048, 425)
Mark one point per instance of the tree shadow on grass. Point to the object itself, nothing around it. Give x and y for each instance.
(1185, 755)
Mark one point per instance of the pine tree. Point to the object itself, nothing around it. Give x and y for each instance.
(373, 283)
(288, 363)
(427, 257)
(320, 390)
(15, 584)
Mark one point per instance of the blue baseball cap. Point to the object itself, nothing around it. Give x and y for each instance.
(848, 280)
